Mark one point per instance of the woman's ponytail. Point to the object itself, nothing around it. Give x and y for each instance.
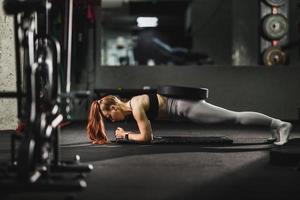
(95, 126)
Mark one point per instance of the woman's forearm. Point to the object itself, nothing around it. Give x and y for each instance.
(139, 137)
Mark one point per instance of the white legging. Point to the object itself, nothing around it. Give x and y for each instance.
(203, 112)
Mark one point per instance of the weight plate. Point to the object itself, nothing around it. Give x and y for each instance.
(47, 58)
(276, 3)
(25, 158)
(20, 6)
(274, 56)
(275, 26)
(183, 92)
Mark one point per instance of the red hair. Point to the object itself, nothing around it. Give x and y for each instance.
(95, 126)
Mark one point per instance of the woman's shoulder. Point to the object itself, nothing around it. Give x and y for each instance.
(140, 100)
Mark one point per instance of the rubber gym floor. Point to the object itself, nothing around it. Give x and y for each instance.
(170, 172)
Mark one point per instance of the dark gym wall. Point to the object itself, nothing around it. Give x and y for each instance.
(245, 30)
(273, 91)
(294, 32)
(227, 30)
(211, 29)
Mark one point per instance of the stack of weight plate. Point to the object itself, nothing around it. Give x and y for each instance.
(275, 29)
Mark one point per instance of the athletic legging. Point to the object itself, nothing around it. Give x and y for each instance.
(202, 112)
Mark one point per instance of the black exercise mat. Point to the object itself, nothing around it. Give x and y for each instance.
(206, 140)
(213, 140)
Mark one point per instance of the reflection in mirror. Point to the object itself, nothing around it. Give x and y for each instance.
(198, 32)
(145, 32)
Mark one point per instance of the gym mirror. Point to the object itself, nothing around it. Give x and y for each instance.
(181, 32)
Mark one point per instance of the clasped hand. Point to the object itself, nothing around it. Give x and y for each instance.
(120, 133)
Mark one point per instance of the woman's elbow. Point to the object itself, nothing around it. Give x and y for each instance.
(147, 138)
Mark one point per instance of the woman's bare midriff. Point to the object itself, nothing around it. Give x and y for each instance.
(162, 104)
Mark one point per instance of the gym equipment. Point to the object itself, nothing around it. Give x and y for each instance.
(276, 3)
(183, 92)
(275, 26)
(287, 154)
(166, 90)
(37, 157)
(18, 6)
(180, 55)
(274, 56)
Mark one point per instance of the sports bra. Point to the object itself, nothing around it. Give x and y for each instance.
(152, 111)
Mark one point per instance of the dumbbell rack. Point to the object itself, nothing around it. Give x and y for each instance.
(51, 179)
(35, 156)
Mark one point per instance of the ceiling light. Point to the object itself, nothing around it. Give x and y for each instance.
(147, 22)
